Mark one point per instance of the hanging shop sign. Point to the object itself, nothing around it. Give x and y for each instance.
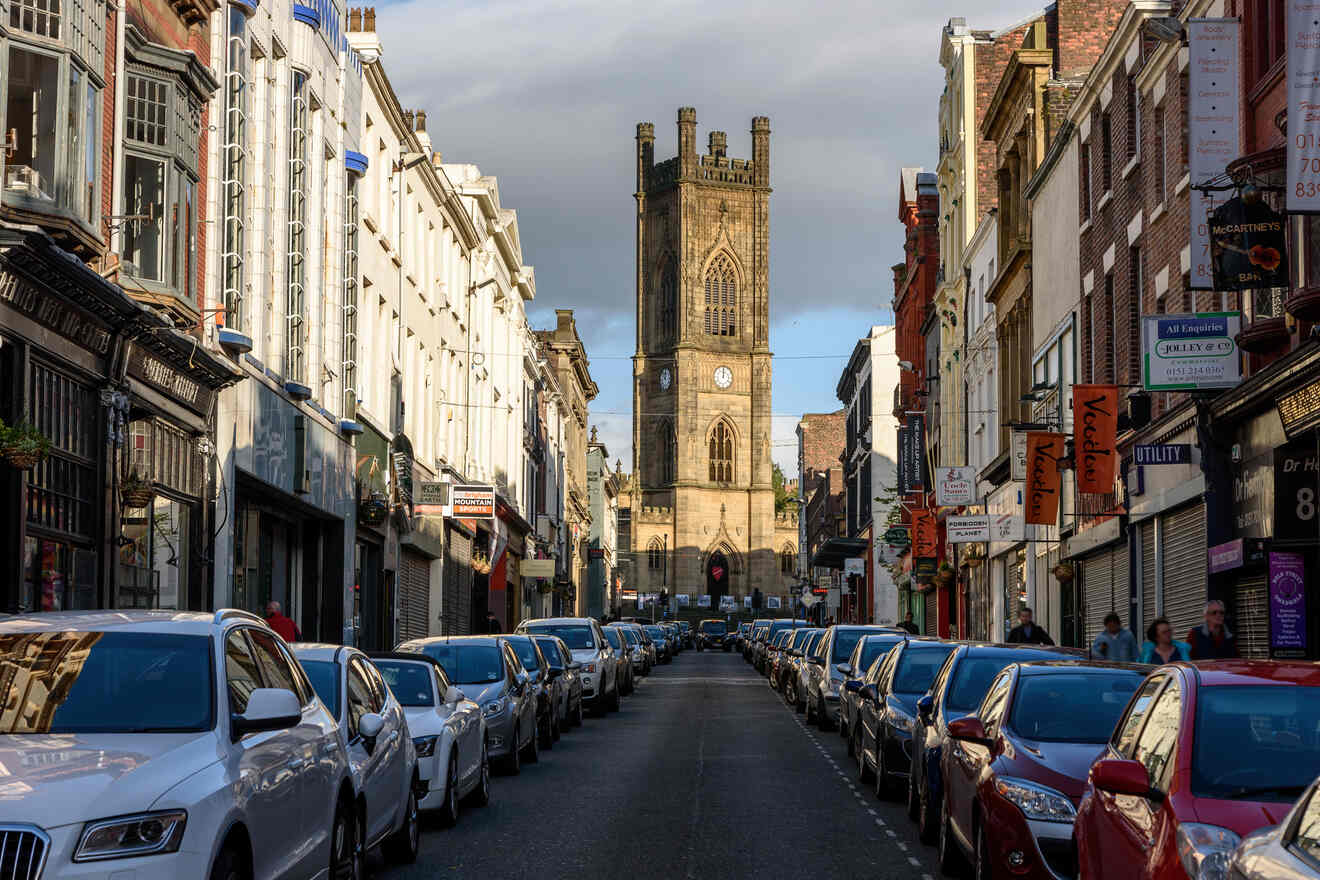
(1095, 416)
(967, 529)
(1248, 244)
(1018, 461)
(474, 502)
(401, 458)
(1007, 527)
(925, 537)
(1212, 129)
(898, 536)
(1287, 605)
(924, 568)
(537, 568)
(1161, 453)
(1190, 352)
(433, 498)
(855, 565)
(1044, 449)
(916, 438)
(145, 367)
(1302, 37)
(955, 486)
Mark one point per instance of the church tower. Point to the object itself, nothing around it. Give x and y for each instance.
(704, 506)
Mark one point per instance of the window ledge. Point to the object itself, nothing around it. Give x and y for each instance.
(1104, 200)
(1131, 166)
(1158, 212)
(1085, 227)
(1183, 184)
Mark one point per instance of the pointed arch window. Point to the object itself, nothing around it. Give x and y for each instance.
(669, 300)
(787, 559)
(668, 466)
(655, 555)
(721, 297)
(721, 453)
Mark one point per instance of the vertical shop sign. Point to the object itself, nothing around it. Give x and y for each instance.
(1044, 449)
(1095, 413)
(1287, 605)
(925, 537)
(916, 438)
(1212, 126)
(1303, 51)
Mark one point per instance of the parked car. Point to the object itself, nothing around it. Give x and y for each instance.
(800, 660)
(824, 681)
(546, 688)
(138, 727)
(600, 681)
(760, 629)
(776, 656)
(1204, 755)
(447, 730)
(1287, 851)
(492, 676)
(663, 651)
(887, 707)
(866, 657)
(685, 630)
(776, 626)
(1014, 770)
(959, 688)
(622, 661)
(639, 651)
(741, 636)
(556, 653)
(675, 639)
(714, 634)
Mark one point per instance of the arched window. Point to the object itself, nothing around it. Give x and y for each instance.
(787, 560)
(721, 453)
(668, 449)
(721, 297)
(655, 555)
(669, 300)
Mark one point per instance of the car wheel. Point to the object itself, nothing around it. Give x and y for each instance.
(532, 752)
(881, 775)
(577, 717)
(852, 744)
(927, 830)
(913, 804)
(952, 863)
(480, 795)
(613, 705)
(449, 810)
(984, 869)
(700, 647)
(229, 865)
(556, 727)
(546, 734)
(823, 720)
(345, 849)
(800, 704)
(513, 761)
(401, 847)
(863, 768)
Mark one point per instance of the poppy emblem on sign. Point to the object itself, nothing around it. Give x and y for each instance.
(717, 572)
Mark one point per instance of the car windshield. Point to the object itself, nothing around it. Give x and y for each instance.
(577, 636)
(324, 676)
(917, 668)
(467, 664)
(874, 648)
(550, 650)
(526, 651)
(411, 682)
(714, 627)
(106, 682)
(810, 645)
(613, 637)
(844, 642)
(1071, 707)
(972, 679)
(1257, 743)
(632, 636)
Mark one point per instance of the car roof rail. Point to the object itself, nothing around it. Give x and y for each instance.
(223, 614)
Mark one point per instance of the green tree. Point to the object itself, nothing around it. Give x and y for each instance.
(782, 498)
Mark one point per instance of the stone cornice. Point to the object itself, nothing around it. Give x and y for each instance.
(181, 62)
(1023, 61)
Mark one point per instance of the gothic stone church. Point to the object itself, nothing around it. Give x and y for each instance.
(703, 506)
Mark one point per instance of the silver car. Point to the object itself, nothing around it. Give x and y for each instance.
(1287, 851)
(824, 679)
(491, 676)
(587, 642)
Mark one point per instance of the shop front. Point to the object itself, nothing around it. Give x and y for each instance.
(375, 544)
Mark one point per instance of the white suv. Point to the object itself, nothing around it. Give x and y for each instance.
(588, 645)
(164, 745)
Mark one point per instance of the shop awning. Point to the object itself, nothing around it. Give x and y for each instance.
(834, 551)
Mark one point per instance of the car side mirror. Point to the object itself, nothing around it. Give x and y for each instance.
(845, 668)
(369, 726)
(969, 729)
(817, 661)
(1122, 776)
(925, 706)
(853, 685)
(454, 695)
(555, 672)
(267, 709)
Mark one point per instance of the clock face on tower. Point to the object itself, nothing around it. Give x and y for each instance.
(665, 378)
(723, 377)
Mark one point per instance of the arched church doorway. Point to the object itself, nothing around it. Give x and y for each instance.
(717, 577)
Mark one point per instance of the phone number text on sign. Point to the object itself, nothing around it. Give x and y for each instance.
(1304, 106)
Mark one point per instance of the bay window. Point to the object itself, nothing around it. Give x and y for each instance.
(295, 336)
(349, 366)
(234, 168)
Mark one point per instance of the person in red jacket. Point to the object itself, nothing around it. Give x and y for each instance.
(287, 629)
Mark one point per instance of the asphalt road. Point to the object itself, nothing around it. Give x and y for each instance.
(704, 773)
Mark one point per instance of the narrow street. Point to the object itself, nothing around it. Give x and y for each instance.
(703, 773)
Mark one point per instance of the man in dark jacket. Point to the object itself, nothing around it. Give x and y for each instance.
(493, 623)
(907, 624)
(1027, 633)
(1212, 640)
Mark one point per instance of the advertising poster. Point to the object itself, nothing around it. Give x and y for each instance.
(1095, 418)
(1287, 605)
(1212, 128)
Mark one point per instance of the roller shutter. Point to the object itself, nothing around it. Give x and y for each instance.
(1097, 591)
(1251, 613)
(457, 592)
(414, 596)
(932, 612)
(1183, 533)
(1148, 609)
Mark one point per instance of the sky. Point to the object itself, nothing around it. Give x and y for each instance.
(546, 94)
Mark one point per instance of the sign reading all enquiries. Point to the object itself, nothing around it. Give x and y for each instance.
(1190, 352)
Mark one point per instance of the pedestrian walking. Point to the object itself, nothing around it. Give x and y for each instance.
(492, 623)
(1027, 633)
(1212, 640)
(907, 624)
(275, 619)
(1160, 648)
(1115, 642)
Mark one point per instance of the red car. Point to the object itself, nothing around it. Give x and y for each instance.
(1205, 754)
(1015, 770)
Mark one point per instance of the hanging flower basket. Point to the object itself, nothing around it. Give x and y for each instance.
(544, 587)
(946, 575)
(974, 559)
(374, 510)
(136, 492)
(1063, 572)
(481, 563)
(22, 445)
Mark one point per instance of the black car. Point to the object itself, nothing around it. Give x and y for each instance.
(888, 705)
(713, 634)
(866, 657)
(545, 685)
(959, 687)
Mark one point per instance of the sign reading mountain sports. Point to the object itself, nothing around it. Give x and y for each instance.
(955, 486)
(473, 502)
(1248, 244)
(1213, 103)
(967, 529)
(1190, 352)
(1302, 38)
(925, 538)
(1044, 449)
(1095, 418)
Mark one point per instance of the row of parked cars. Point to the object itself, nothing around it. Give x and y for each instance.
(1021, 761)
(164, 745)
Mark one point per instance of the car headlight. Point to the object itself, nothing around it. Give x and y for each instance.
(142, 835)
(1205, 850)
(588, 667)
(1036, 801)
(495, 707)
(425, 745)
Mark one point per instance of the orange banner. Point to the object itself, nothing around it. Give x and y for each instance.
(1044, 449)
(925, 537)
(1095, 417)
